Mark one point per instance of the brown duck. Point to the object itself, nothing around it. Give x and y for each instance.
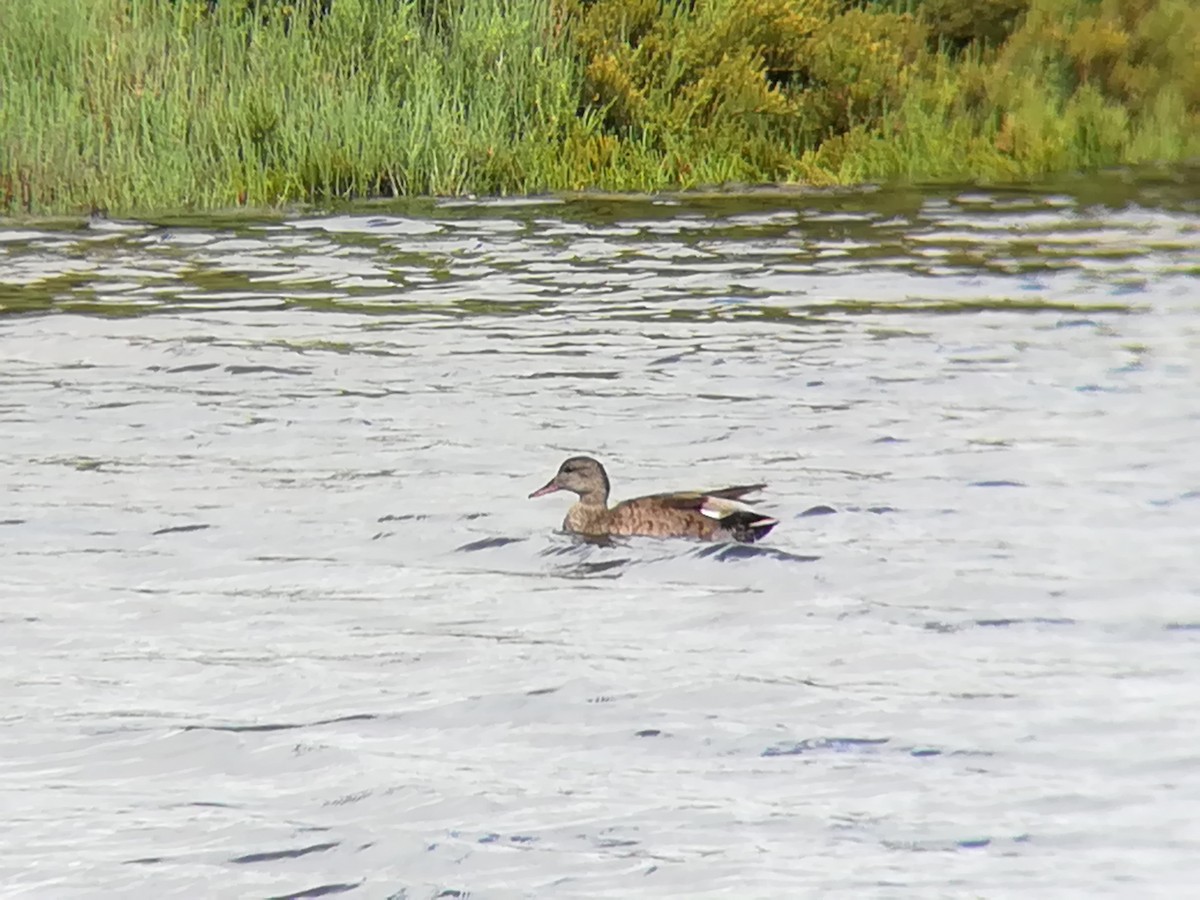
(705, 515)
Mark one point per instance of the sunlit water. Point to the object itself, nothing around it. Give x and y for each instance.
(278, 619)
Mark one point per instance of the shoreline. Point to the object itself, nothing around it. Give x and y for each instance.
(1114, 186)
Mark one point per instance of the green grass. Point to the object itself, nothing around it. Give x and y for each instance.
(154, 106)
(135, 105)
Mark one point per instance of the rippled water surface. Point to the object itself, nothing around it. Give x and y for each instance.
(277, 618)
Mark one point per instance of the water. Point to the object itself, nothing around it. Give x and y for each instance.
(277, 619)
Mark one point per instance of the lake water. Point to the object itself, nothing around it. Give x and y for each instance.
(277, 619)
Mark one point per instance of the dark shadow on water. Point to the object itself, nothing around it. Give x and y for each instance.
(580, 545)
(821, 510)
(596, 568)
(951, 627)
(180, 529)
(282, 726)
(488, 544)
(582, 541)
(825, 745)
(180, 370)
(324, 890)
(273, 855)
(610, 570)
(960, 307)
(860, 745)
(583, 548)
(265, 370)
(1035, 620)
(493, 838)
(944, 846)
(728, 552)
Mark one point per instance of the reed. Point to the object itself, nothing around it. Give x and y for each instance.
(144, 106)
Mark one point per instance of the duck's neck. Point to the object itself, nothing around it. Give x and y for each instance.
(593, 500)
(588, 515)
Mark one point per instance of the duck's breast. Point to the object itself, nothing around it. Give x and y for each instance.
(583, 519)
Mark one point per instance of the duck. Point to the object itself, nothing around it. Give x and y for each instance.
(717, 515)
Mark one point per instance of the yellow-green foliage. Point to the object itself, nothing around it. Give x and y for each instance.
(760, 81)
(1083, 84)
(859, 65)
(955, 25)
(654, 69)
(828, 91)
(795, 67)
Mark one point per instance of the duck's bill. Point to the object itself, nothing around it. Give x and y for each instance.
(548, 488)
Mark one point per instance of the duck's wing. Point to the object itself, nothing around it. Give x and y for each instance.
(726, 493)
(726, 497)
(714, 504)
(709, 515)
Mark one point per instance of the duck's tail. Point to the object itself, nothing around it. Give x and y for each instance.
(735, 518)
(747, 526)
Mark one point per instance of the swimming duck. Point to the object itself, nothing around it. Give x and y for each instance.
(707, 515)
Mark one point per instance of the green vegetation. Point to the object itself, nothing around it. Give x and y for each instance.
(153, 105)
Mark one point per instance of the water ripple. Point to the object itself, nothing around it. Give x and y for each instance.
(278, 615)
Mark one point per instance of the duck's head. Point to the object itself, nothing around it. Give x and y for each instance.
(581, 475)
